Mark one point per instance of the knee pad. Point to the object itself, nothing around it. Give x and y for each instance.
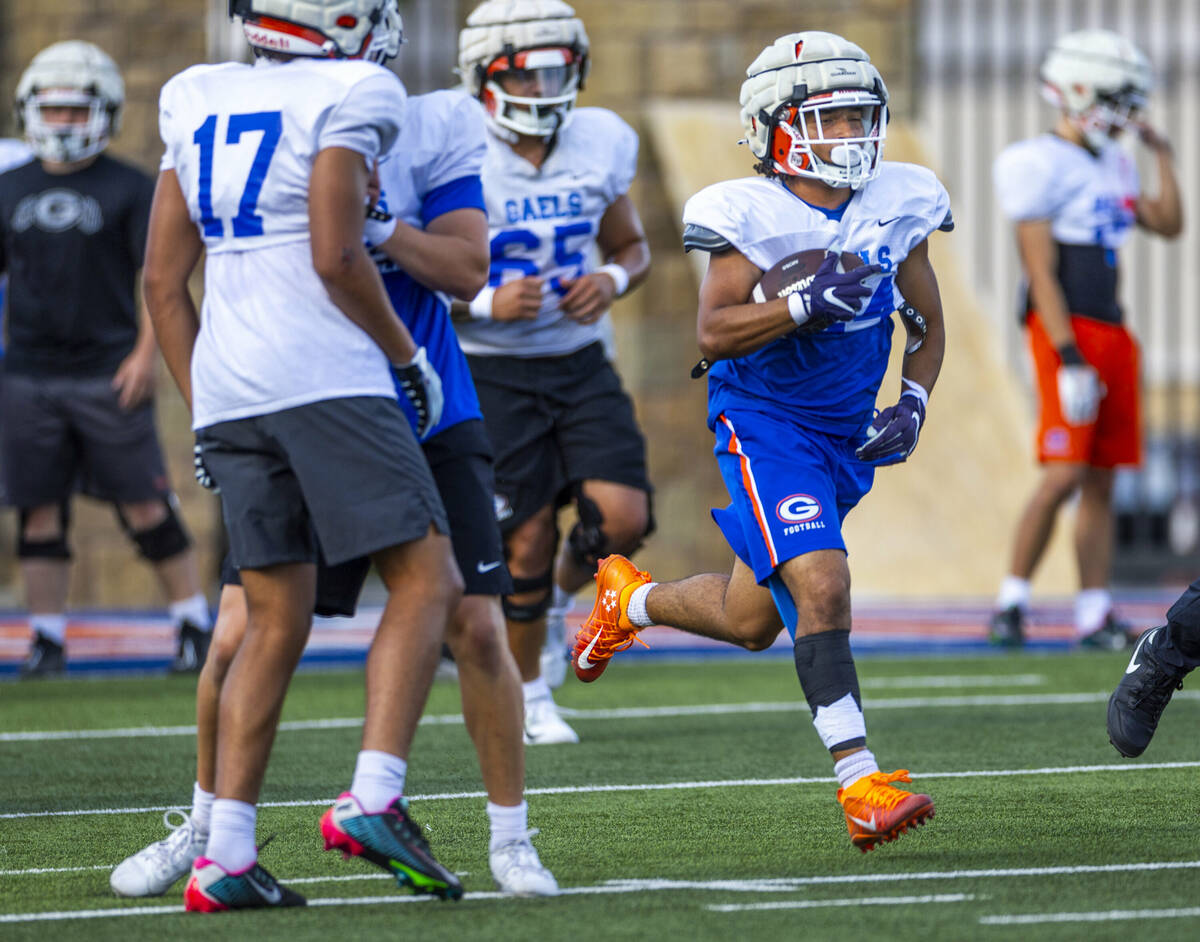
(55, 548)
(163, 541)
(530, 611)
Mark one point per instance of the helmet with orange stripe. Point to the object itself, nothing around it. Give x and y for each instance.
(814, 106)
(333, 29)
(526, 60)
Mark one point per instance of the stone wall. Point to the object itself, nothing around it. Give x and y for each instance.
(642, 50)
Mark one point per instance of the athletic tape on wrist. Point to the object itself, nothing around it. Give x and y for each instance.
(618, 274)
(481, 305)
(911, 386)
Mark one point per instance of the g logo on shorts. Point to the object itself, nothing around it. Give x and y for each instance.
(798, 508)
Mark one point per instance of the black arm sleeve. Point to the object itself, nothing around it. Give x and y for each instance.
(697, 237)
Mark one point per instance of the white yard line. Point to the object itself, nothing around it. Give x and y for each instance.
(749, 886)
(654, 786)
(829, 903)
(706, 709)
(954, 680)
(1111, 915)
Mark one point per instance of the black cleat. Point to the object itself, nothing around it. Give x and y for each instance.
(1112, 635)
(1156, 670)
(1007, 628)
(46, 659)
(193, 649)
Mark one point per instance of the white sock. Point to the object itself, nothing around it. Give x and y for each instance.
(509, 823)
(194, 609)
(231, 840)
(1091, 607)
(636, 611)
(202, 805)
(1013, 591)
(53, 627)
(855, 766)
(561, 600)
(535, 689)
(378, 779)
(840, 722)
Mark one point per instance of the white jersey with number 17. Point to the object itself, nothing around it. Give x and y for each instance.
(242, 141)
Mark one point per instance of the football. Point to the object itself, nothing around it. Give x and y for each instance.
(793, 272)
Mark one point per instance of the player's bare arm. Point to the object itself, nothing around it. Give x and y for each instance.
(336, 194)
(1039, 259)
(726, 325)
(135, 377)
(173, 248)
(622, 241)
(1161, 214)
(461, 234)
(917, 282)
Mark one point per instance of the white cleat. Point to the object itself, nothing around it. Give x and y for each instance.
(152, 870)
(553, 661)
(517, 869)
(543, 725)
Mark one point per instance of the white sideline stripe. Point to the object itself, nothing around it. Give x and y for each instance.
(827, 903)
(25, 873)
(708, 709)
(954, 680)
(1111, 915)
(652, 787)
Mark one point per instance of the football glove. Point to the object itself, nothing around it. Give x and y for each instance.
(423, 388)
(892, 435)
(832, 295)
(1079, 388)
(203, 477)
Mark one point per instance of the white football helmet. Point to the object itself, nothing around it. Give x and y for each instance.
(540, 44)
(799, 77)
(1100, 79)
(334, 29)
(72, 74)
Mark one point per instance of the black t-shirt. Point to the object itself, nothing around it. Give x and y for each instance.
(72, 246)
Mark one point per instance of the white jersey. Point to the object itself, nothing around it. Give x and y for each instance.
(881, 223)
(543, 223)
(826, 380)
(414, 173)
(1090, 199)
(242, 140)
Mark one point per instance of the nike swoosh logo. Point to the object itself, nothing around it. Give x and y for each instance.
(1133, 661)
(481, 568)
(888, 222)
(582, 661)
(272, 895)
(831, 298)
(869, 825)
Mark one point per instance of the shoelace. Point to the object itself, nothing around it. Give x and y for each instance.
(181, 834)
(519, 851)
(609, 642)
(410, 826)
(1155, 691)
(881, 793)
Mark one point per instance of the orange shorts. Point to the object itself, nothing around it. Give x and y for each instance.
(1115, 437)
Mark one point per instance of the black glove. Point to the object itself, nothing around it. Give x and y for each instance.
(203, 477)
(423, 388)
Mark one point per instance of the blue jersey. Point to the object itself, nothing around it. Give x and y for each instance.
(826, 381)
(434, 170)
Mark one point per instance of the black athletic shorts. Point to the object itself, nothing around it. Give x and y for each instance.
(60, 434)
(345, 472)
(555, 422)
(461, 461)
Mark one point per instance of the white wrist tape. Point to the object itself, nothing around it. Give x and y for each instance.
(377, 231)
(797, 308)
(618, 274)
(910, 386)
(481, 306)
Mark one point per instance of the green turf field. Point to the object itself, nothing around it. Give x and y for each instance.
(699, 805)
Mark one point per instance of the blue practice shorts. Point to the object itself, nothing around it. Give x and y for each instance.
(791, 488)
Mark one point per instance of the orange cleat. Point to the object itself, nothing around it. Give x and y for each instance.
(607, 629)
(877, 813)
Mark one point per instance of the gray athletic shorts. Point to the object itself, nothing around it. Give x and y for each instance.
(347, 470)
(59, 434)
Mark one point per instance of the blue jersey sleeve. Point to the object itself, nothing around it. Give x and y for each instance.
(462, 193)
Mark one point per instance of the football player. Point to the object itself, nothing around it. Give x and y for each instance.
(291, 375)
(566, 241)
(1074, 196)
(428, 209)
(78, 401)
(792, 387)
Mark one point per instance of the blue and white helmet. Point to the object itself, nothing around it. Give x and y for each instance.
(70, 74)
